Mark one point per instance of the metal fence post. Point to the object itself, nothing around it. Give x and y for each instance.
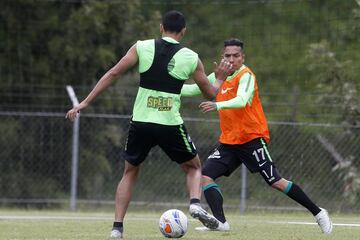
(75, 150)
(243, 189)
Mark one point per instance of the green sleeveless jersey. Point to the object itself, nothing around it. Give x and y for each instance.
(157, 106)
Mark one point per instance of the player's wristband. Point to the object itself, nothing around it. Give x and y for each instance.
(218, 107)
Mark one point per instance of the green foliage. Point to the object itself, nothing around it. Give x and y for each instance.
(333, 78)
(61, 43)
(339, 86)
(350, 176)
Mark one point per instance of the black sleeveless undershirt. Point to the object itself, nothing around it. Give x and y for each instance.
(157, 76)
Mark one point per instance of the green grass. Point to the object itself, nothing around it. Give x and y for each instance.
(57, 225)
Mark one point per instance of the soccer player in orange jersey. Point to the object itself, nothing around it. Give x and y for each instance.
(244, 137)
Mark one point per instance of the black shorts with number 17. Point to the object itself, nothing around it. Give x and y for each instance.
(225, 159)
(173, 140)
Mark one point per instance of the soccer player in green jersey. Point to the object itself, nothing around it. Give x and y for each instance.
(164, 65)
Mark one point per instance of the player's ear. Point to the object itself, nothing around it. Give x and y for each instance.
(161, 29)
(183, 31)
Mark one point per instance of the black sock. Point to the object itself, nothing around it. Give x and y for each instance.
(215, 201)
(297, 194)
(194, 200)
(118, 226)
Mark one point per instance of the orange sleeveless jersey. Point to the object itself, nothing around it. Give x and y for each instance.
(241, 125)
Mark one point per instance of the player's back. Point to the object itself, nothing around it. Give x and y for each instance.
(164, 65)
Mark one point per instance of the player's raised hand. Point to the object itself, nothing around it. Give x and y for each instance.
(72, 113)
(207, 106)
(222, 70)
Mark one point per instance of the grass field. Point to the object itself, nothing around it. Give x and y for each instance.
(56, 225)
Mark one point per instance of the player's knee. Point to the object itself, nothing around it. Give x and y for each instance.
(281, 184)
(276, 185)
(192, 165)
(131, 169)
(205, 180)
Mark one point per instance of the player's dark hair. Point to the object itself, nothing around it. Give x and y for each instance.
(173, 21)
(234, 42)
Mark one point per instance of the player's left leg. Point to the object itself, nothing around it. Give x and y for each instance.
(192, 169)
(124, 190)
(222, 162)
(295, 192)
(260, 161)
(138, 144)
(177, 144)
(122, 198)
(271, 175)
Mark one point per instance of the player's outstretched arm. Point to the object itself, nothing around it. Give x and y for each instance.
(243, 97)
(207, 106)
(125, 63)
(209, 91)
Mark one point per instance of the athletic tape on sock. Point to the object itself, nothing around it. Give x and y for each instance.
(288, 187)
(212, 185)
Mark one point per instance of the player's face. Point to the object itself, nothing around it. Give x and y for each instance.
(235, 56)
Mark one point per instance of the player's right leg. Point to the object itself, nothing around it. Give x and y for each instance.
(214, 199)
(177, 144)
(192, 169)
(222, 162)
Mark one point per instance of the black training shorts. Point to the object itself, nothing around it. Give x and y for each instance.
(254, 154)
(173, 140)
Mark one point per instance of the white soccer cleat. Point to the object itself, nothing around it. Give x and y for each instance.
(208, 220)
(116, 234)
(324, 221)
(223, 227)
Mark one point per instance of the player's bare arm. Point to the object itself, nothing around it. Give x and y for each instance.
(209, 91)
(125, 63)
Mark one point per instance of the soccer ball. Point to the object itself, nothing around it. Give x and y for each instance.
(173, 223)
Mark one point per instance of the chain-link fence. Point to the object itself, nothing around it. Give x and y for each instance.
(36, 153)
